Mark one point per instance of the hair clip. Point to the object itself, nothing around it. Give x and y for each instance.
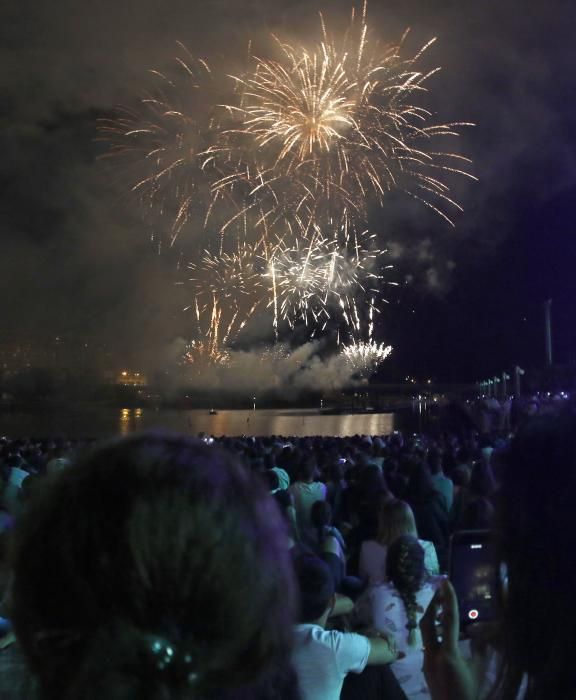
(168, 658)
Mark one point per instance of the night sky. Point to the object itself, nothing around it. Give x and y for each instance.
(77, 258)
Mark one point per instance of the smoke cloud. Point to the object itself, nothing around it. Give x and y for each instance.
(275, 372)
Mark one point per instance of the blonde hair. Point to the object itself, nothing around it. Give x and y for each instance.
(395, 519)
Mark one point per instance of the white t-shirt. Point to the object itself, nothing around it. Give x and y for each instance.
(322, 659)
(382, 608)
(372, 564)
(305, 495)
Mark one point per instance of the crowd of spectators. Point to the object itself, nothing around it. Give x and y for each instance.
(163, 567)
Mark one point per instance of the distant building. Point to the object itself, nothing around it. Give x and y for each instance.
(127, 378)
(63, 355)
(20, 355)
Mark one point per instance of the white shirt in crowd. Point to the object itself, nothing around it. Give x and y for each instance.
(372, 564)
(322, 659)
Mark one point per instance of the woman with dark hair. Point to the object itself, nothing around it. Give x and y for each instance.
(474, 498)
(335, 488)
(371, 493)
(396, 607)
(323, 536)
(326, 542)
(153, 569)
(365, 500)
(482, 481)
(536, 538)
(429, 510)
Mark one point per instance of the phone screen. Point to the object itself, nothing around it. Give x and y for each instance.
(474, 577)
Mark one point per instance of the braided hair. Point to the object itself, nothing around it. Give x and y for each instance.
(405, 569)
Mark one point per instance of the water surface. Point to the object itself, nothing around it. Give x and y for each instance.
(91, 421)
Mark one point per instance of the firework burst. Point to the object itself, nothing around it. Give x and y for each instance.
(319, 278)
(278, 168)
(313, 135)
(168, 143)
(231, 277)
(328, 129)
(365, 357)
(298, 282)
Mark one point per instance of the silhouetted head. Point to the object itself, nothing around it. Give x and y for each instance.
(315, 585)
(154, 568)
(537, 536)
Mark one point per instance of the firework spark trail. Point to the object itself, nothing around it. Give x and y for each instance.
(214, 330)
(206, 350)
(202, 352)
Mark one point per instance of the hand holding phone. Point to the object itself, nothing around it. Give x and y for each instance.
(447, 673)
(473, 574)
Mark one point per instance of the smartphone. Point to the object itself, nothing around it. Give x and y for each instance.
(474, 575)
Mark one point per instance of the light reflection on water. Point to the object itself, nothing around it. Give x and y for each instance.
(100, 422)
(129, 420)
(299, 423)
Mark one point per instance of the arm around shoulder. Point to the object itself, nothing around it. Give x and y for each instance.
(342, 605)
(382, 651)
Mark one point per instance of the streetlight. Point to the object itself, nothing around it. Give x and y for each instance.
(548, 329)
(505, 377)
(254, 400)
(518, 372)
(496, 381)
